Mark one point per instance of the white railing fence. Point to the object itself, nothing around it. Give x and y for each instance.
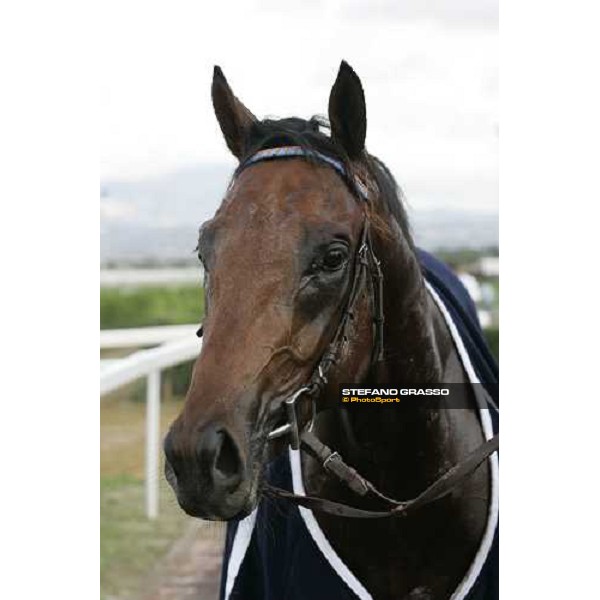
(150, 363)
(144, 336)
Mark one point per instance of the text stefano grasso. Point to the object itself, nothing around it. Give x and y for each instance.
(396, 391)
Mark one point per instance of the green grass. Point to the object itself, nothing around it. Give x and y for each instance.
(148, 306)
(130, 543)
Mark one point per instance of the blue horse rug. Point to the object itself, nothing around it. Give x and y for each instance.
(279, 551)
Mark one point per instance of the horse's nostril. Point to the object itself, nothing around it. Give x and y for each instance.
(227, 468)
(220, 458)
(228, 462)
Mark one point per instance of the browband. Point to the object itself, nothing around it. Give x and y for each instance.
(298, 151)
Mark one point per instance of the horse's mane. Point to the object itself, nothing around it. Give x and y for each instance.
(275, 133)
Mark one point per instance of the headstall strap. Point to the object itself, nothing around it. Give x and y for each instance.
(365, 261)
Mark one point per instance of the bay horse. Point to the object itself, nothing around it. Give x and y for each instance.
(312, 279)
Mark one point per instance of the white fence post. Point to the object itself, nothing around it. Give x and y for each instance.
(149, 363)
(152, 442)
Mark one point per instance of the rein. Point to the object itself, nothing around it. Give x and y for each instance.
(367, 272)
(332, 462)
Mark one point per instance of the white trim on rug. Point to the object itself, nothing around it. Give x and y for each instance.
(318, 536)
(241, 541)
(470, 577)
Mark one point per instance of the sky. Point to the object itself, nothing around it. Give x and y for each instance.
(429, 69)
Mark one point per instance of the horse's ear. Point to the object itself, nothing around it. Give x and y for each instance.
(234, 118)
(348, 111)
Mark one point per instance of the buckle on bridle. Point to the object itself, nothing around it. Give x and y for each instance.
(363, 254)
(292, 428)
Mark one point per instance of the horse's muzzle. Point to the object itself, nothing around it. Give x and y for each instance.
(207, 474)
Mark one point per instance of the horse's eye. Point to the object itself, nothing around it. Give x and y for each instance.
(334, 259)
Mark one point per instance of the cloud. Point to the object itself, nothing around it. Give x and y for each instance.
(113, 209)
(454, 13)
(429, 70)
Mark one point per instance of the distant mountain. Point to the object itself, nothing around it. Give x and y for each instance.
(452, 229)
(156, 219)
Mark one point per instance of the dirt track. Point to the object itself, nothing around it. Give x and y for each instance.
(192, 568)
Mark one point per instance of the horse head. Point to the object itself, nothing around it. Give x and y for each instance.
(279, 258)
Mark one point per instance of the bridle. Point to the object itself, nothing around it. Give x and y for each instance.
(367, 272)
